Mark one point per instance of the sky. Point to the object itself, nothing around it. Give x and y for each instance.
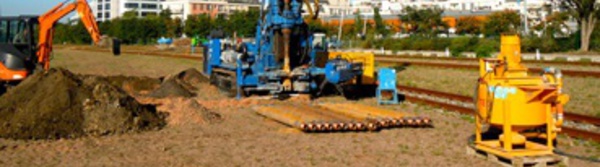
(26, 7)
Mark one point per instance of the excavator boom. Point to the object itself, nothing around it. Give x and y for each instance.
(48, 20)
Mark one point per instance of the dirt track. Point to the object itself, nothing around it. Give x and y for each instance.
(243, 138)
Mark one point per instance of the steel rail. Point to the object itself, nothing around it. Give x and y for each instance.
(578, 63)
(574, 73)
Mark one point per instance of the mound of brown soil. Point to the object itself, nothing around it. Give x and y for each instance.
(59, 104)
(171, 87)
(192, 76)
(183, 84)
(181, 111)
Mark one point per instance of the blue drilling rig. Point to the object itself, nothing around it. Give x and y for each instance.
(284, 57)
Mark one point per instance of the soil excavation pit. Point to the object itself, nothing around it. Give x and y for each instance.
(59, 104)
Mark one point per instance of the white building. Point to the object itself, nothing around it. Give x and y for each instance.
(110, 9)
(535, 8)
(183, 8)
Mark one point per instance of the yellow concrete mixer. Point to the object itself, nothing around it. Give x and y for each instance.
(521, 109)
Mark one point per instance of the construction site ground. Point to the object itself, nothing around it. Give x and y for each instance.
(240, 137)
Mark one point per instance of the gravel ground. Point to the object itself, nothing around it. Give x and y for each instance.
(131, 65)
(244, 138)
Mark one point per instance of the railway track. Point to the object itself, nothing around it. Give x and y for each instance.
(574, 73)
(468, 110)
(388, 59)
(578, 63)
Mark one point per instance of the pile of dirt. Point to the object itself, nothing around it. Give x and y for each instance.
(59, 104)
(182, 42)
(181, 111)
(183, 84)
(192, 76)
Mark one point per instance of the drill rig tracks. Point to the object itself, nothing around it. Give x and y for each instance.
(412, 94)
(340, 117)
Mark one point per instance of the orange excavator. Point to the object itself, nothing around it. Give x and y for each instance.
(26, 41)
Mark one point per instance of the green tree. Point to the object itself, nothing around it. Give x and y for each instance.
(198, 25)
(176, 27)
(152, 28)
(498, 23)
(554, 25)
(380, 26)
(586, 12)
(243, 22)
(71, 32)
(469, 25)
(130, 14)
(317, 26)
(426, 22)
(358, 23)
(165, 14)
(105, 26)
(173, 26)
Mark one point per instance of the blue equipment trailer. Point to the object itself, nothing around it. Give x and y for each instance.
(282, 59)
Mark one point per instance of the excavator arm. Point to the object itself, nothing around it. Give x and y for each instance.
(48, 20)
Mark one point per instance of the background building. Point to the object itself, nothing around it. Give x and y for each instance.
(330, 9)
(110, 9)
(183, 8)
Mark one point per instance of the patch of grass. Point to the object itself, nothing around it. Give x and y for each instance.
(585, 60)
(437, 152)
(468, 118)
(403, 148)
(329, 158)
(560, 59)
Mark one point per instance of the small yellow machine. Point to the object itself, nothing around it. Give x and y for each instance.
(520, 106)
(366, 59)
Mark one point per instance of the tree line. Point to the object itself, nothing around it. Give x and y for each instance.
(426, 25)
(131, 29)
(420, 23)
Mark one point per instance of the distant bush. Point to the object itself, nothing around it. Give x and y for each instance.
(415, 43)
(462, 44)
(483, 47)
(486, 47)
(546, 44)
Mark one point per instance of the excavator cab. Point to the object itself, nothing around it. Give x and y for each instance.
(18, 42)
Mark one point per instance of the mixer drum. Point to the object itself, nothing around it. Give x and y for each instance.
(528, 106)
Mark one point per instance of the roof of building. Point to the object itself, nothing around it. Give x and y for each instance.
(244, 1)
(391, 16)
